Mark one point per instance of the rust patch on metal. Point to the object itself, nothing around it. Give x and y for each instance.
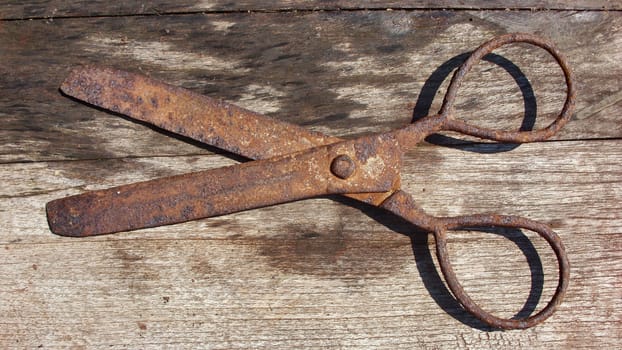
(296, 164)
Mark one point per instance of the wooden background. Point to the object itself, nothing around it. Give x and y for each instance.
(321, 273)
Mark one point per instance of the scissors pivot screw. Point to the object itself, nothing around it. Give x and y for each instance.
(342, 166)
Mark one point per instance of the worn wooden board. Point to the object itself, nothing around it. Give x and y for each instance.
(321, 273)
(344, 74)
(318, 273)
(59, 8)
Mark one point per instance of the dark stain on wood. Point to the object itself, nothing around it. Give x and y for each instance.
(128, 257)
(334, 254)
(135, 271)
(200, 266)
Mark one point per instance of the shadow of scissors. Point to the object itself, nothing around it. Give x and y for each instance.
(294, 164)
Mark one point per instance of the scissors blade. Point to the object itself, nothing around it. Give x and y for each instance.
(318, 171)
(186, 113)
(199, 117)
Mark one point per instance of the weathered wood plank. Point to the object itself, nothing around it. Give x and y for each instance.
(59, 8)
(317, 273)
(342, 73)
(531, 180)
(230, 294)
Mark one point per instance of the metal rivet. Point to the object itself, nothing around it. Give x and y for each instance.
(342, 166)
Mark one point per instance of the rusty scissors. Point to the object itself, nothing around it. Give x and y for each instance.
(290, 163)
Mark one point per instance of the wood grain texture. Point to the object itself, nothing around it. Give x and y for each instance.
(320, 273)
(60, 8)
(344, 74)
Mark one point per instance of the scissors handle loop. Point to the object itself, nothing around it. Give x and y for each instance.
(493, 220)
(501, 135)
(403, 205)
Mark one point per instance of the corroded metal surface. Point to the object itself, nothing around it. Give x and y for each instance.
(402, 204)
(181, 111)
(175, 199)
(199, 117)
(298, 164)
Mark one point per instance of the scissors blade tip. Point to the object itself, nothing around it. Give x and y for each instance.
(77, 82)
(60, 220)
